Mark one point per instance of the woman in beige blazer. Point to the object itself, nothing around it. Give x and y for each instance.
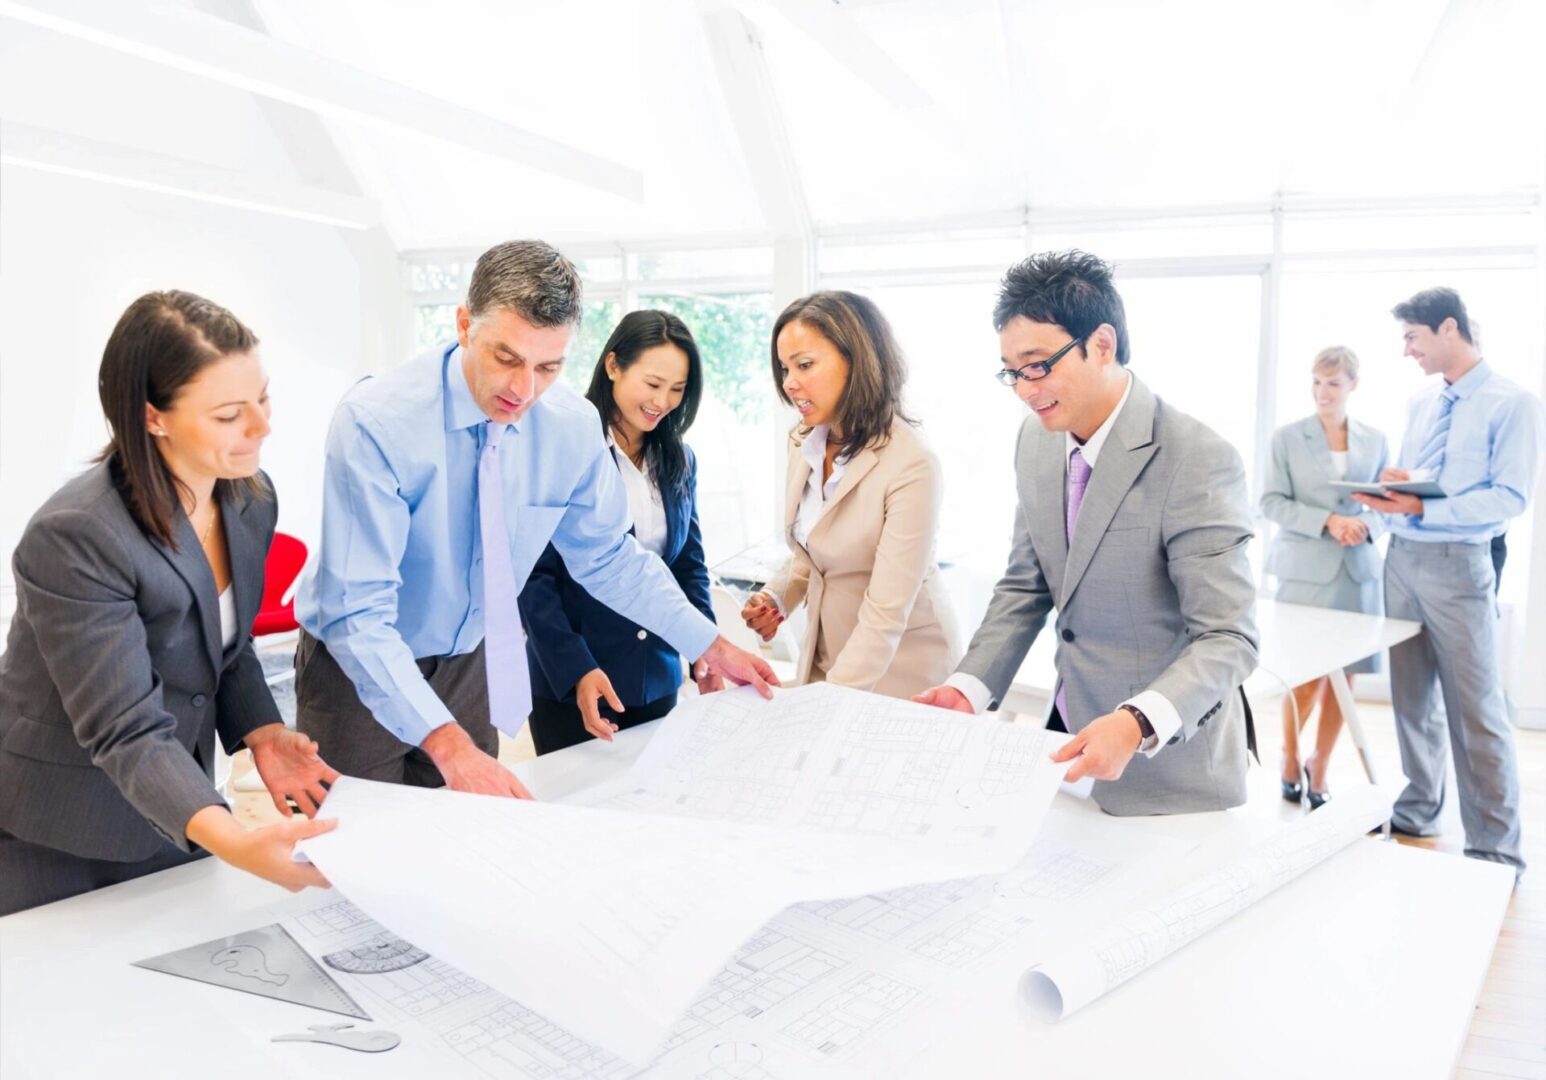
(862, 511)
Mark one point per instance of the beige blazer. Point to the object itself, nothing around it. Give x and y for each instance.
(879, 616)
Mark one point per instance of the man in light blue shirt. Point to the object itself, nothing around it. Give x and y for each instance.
(391, 675)
(1480, 437)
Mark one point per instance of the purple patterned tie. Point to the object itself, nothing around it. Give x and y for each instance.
(1078, 480)
(504, 646)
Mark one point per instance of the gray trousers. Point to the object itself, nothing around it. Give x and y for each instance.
(1448, 588)
(328, 708)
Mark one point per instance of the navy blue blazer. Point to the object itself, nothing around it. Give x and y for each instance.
(569, 632)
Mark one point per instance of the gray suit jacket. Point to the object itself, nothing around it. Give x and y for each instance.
(113, 682)
(1299, 496)
(1155, 593)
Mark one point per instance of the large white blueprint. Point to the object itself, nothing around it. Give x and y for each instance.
(1073, 976)
(607, 921)
(847, 987)
(831, 760)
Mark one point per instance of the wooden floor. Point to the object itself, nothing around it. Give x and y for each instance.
(1508, 1031)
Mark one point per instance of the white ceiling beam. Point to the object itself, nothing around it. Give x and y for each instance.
(24, 146)
(743, 75)
(212, 48)
(835, 32)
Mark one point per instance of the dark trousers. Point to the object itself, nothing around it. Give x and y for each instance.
(328, 709)
(31, 874)
(557, 724)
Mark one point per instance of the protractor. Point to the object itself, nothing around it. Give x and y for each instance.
(376, 956)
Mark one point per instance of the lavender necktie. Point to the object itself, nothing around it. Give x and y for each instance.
(1078, 480)
(504, 646)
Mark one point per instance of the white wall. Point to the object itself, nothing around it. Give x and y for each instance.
(74, 253)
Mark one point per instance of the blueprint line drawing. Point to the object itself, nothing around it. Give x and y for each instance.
(849, 987)
(1078, 974)
(744, 807)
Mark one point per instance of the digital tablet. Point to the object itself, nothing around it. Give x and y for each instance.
(1423, 489)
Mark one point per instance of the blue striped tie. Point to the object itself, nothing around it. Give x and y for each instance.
(1431, 459)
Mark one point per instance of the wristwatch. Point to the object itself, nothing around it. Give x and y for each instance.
(1145, 729)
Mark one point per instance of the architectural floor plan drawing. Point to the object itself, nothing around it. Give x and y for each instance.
(1078, 974)
(831, 760)
(840, 988)
(742, 807)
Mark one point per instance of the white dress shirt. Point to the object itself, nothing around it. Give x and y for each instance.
(644, 502)
(1339, 464)
(813, 501)
(1162, 715)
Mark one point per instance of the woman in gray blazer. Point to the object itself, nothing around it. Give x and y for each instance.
(1324, 553)
(136, 584)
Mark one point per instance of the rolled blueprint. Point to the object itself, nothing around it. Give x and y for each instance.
(1076, 975)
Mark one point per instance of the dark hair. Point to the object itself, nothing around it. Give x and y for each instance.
(530, 278)
(877, 371)
(161, 343)
(1431, 307)
(1071, 289)
(663, 449)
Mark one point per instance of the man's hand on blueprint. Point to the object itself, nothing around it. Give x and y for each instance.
(739, 667)
(944, 697)
(466, 768)
(1103, 749)
(588, 692)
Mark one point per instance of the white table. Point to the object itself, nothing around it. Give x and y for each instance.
(1298, 645)
(1369, 965)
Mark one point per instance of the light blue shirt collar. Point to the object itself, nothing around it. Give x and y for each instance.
(1466, 385)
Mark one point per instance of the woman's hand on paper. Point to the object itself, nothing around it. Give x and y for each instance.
(588, 692)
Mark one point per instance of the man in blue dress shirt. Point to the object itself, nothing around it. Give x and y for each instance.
(397, 618)
(1480, 436)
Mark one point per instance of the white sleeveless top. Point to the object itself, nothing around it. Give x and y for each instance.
(228, 617)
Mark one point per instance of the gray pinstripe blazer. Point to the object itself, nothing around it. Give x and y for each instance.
(113, 682)
(1155, 593)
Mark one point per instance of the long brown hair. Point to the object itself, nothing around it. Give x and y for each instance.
(877, 371)
(161, 343)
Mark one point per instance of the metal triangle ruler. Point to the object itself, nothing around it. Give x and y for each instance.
(267, 962)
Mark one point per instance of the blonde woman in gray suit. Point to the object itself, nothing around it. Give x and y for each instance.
(1324, 554)
(862, 510)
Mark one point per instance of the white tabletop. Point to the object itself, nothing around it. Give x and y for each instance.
(1370, 965)
(1298, 644)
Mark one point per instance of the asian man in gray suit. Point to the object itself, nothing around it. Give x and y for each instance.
(1132, 523)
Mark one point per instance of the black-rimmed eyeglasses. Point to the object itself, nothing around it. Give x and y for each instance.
(1042, 368)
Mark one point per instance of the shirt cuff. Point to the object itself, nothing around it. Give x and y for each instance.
(1162, 717)
(973, 689)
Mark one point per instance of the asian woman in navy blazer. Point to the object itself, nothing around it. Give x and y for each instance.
(592, 670)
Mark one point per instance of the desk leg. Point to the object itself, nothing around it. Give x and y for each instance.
(1344, 695)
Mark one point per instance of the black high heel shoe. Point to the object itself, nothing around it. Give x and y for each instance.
(1316, 799)
(1292, 792)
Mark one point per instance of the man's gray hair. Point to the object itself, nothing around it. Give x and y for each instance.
(530, 278)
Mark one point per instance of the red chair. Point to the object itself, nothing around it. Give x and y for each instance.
(276, 615)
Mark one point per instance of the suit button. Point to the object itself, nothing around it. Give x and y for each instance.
(1068, 635)
(643, 635)
(199, 700)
